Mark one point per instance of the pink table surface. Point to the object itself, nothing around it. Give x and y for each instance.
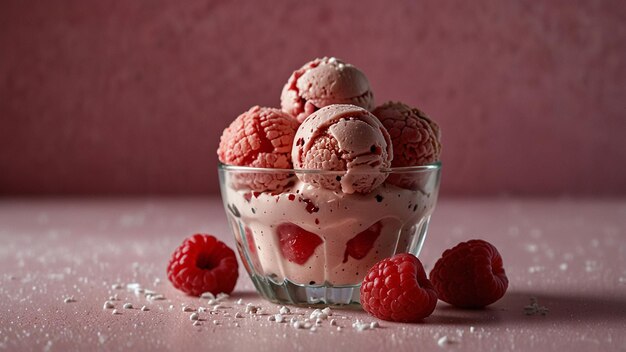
(568, 253)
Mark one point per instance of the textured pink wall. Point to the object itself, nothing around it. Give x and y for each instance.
(131, 96)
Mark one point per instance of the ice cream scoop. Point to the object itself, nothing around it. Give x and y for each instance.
(323, 82)
(416, 140)
(415, 136)
(344, 138)
(260, 137)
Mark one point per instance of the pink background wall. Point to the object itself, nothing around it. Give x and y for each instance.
(113, 97)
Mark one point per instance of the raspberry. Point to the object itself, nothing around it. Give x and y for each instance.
(397, 289)
(296, 243)
(203, 264)
(470, 275)
(359, 245)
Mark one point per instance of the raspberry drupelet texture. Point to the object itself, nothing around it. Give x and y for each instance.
(260, 137)
(470, 275)
(397, 289)
(203, 264)
(416, 137)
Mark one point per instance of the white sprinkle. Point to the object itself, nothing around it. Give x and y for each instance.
(207, 295)
(313, 329)
(196, 323)
(117, 286)
(318, 314)
(156, 281)
(445, 340)
(127, 306)
(157, 297)
(360, 326)
(318, 321)
(332, 60)
(201, 309)
(339, 328)
(333, 322)
(226, 314)
(221, 296)
(171, 306)
(284, 310)
(315, 313)
(69, 300)
(188, 309)
(374, 325)
(239, 302)
(327, 311)
(237, 325)
(215, 322)
(194, 316)
(114, 298)
(472, 329)
(251, 309)
(292, 320)
(144, 309)
(216, 307)
(133, 286)
(563, 266)
(108, 305)
(115, 312)
(279, 318)
(298, 325)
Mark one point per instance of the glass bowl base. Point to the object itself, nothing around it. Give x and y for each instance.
(291, 293)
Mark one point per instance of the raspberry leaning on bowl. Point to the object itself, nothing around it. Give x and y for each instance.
(470, 275)
(203, 264)
(397, 289)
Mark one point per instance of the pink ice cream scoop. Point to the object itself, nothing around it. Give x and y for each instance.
(260, 137)
(343, 138)
(415, 136)
(323, 82)
(416, 140)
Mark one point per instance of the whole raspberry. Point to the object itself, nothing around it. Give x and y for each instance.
(203, 264)
(470, 275)
(397, 289)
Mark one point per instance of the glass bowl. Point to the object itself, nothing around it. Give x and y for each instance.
(303, 244)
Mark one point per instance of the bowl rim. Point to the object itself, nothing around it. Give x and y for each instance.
(436, 166)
